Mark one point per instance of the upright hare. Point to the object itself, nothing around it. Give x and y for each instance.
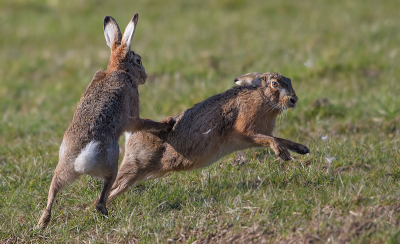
(240, 118)
(109, 106)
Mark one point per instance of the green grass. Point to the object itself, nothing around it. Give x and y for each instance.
(349, 92)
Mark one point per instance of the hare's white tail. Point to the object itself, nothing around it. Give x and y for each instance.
(86, 160)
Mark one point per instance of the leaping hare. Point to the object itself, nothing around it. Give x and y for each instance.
(109, 106)
(242, 117)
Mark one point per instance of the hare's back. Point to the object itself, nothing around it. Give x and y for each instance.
(205, 125)
(99, 115)
(217, 114)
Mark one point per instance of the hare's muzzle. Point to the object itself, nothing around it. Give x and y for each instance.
(292, 101)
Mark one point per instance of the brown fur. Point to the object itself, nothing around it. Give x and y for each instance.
(240, 118)
(108, 107)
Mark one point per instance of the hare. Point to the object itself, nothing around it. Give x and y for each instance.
(108, 107)
(242, 117)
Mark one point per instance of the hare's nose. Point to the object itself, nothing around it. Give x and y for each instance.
(293, 100)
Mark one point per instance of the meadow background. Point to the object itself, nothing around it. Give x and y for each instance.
(343, 58)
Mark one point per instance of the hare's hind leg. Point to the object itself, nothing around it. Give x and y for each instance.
(60, 179)
(126, 178)
(110, 169)
(101, 204)
(130, 174)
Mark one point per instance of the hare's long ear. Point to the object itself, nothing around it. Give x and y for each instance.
(111, 32)
(254, 79)
(129, 31)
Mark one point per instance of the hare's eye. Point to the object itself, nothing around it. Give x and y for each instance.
(138, 61)
(274, 84)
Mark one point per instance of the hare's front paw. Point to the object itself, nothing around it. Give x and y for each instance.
(301, 149)
(169, 123)
(281, 152)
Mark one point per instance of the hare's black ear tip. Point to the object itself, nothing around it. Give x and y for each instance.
(107, 19)
(235, 80)
(136, 17)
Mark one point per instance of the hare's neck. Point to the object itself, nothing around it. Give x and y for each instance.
(270, 117)
(271, 109)
(114, 65)
(132, 81)
(264, 125)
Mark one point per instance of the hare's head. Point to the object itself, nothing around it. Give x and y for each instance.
(122, 58)
(277, 88)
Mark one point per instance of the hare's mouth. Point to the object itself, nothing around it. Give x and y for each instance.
(285, 106)
(289, 102)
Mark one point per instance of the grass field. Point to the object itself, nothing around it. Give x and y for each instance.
(343, 58)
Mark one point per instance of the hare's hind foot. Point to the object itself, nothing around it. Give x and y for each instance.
(44, 220)
(122, 184)
(127, 177)
(101, 207)
(102, 199)
(101, 204)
